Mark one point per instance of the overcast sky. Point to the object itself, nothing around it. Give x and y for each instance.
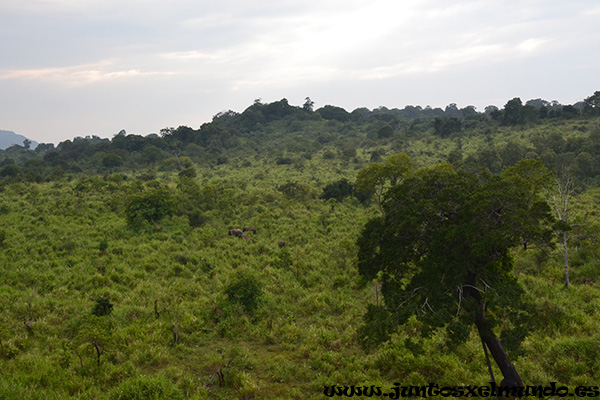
(93, 67)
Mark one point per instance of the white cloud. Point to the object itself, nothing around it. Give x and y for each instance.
(77, 75)
(196, 55)
(592, 11)
(531, 45)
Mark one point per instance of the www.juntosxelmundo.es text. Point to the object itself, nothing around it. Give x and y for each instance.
(434, 390)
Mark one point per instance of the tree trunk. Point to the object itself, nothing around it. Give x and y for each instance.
(566, 255)
(98, 353)
(489, 338)
(487, 335)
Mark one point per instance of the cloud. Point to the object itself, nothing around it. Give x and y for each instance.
(196, 55)
(530, 45)
(78, 74)
(593, 11)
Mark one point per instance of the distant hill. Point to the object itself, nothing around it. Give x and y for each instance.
(8, 138)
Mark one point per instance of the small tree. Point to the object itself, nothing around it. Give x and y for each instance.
(96, 332)
(308, 105)
(563, 203)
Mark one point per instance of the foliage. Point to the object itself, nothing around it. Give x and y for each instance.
(146, 388)
(173, 331)
(334, 113)
(377, 177)
(112, 161)
(189, 172)
(443, 249)
(445, 127)
(97, 333)
(150, 206)
(337, 190)
(246, 290)
(294, 190)
(378, 325)
(102, 307)
(591, 105)
(197, 218)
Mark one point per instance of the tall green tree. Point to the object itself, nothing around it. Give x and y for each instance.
(513, 112)
(441, 251)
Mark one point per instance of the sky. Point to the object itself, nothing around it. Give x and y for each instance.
(73, 68)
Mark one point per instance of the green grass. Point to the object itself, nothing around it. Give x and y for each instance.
(175, 333)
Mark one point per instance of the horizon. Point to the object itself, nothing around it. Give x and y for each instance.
(157, 131)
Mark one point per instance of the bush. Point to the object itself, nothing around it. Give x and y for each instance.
(112, 161)
(246, 290)
(188, 173)
(102, 307)
(385, 131)
(150, 206)
(337, 190)
(197, 218)
(377, 328)
(293, 190)
(10, 171)
(328, 155)
(284, 161)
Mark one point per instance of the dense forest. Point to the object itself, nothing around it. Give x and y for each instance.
(272, 253)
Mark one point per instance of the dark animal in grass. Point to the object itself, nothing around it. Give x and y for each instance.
(246, 229)
(236, 232)
(281, 244)
(250, 238)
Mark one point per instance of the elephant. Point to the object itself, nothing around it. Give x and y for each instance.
(281, 243)
(235, 232)
(250, 238)
(246, 229)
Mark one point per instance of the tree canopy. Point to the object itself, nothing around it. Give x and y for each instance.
(376, 177)
(441, 250)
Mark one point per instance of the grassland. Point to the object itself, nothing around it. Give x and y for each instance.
(200, 314)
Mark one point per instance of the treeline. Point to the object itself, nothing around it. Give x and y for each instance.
(287, 134)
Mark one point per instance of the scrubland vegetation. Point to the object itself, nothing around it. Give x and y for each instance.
(119, 280)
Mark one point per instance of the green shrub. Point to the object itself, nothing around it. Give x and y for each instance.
(150, 206)
(188, 173)
(112, 161)
(377, 328)
(294, 190)
(197, 218)
(337, 190)
(246, 290)
(284, 161)
(102, 307)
